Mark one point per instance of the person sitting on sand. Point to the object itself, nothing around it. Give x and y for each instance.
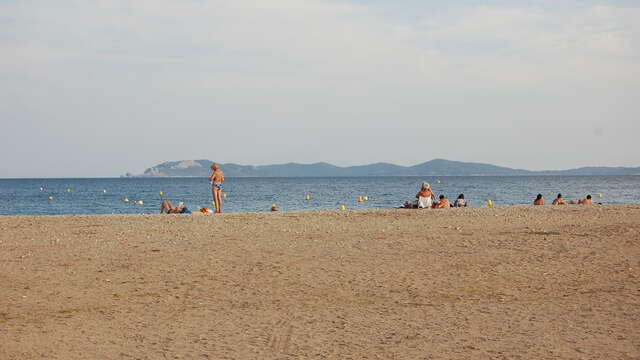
(425, 196)
(559, 200)
(539, 200)
(216, 179)
(167, 208)
(460, 201)
(425, 191)
(586, 201)
(442, 204)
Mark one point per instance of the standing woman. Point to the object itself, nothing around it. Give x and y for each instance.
(216, 179)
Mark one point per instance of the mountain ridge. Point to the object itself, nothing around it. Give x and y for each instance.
(434, 167)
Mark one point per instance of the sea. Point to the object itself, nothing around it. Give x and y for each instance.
(143, 195)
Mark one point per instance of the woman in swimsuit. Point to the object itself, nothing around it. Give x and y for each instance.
(216, 179)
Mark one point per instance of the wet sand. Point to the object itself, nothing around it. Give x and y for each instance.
(475, 283)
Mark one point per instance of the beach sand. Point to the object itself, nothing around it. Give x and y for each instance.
(473, 283)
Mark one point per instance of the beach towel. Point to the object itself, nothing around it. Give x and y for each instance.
(425, 202)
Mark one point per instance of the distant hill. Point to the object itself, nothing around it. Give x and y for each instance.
(436, 167)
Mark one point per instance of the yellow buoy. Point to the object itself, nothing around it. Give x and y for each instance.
(342, 207)
(224, 195)
(366, 198)
(360, 199)
(213, 203)
(125, 200)
(600, 195)
(438, 181)
(50, 198)
(489, 203)
(161, 193)
(139, 202)
(308, 197)
(68, 190)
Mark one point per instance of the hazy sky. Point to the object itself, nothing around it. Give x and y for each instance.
(99, 88)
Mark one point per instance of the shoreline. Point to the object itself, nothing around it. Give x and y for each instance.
(307, 177)
(546, 282)
(321, 211)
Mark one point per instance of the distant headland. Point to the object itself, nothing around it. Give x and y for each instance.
(435, 167)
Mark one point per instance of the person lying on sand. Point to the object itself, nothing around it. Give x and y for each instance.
(586, 201)
(559, 200)
(442, 204)
(167, 208)
(460, 201)
(539, 200)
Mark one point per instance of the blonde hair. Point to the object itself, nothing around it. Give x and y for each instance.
(214, 166)
(425, 185)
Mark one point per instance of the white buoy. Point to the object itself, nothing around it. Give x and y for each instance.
(125, 200)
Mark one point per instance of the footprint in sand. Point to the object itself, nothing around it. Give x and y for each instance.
(280, 339)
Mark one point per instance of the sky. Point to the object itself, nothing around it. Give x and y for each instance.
(101, 88)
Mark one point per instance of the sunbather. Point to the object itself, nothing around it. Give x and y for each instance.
(167, 208)
(586, 201)
(559, 200)
(539, 200)
(460, 201)
(442, 204)
(425, 196)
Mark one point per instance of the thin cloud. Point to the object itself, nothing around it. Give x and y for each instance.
(277, 71)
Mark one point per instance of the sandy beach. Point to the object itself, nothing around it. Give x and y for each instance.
(471, 283)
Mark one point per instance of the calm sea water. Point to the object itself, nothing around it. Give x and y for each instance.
(104, 196)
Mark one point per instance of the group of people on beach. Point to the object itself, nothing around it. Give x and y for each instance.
(559, 200)
(425, 198)
(216, 179)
